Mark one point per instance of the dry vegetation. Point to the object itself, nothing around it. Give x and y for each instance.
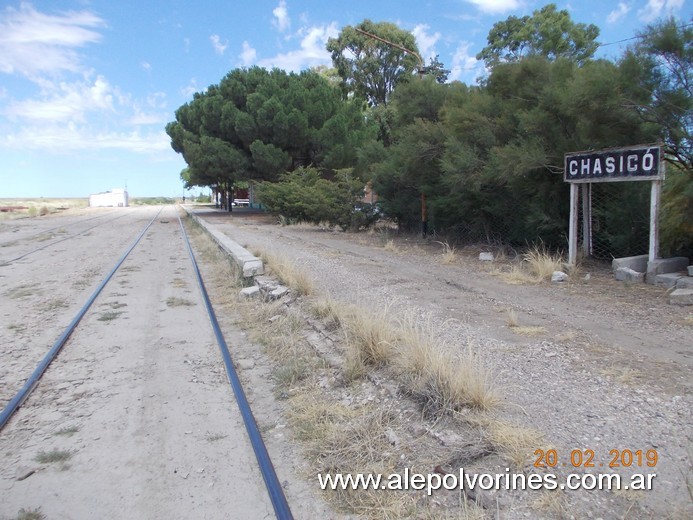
(21, 208)
(535, 266)
(368, 392)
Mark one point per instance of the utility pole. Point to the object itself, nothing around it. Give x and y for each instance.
(422, 71)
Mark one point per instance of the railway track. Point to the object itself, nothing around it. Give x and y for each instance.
(95, 362)
(47, 235)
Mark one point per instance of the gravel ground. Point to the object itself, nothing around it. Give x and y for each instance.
(609, 369)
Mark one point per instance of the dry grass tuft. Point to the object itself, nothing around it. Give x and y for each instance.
(537, 265)
(370, 338)
(173, 301)
(449, 255)
(313, 419)
(552, 503)
(515, 443)
(541, 263)
(329, 311)
(514, 323)
(289, 274)
(442, 381)
(391, 246)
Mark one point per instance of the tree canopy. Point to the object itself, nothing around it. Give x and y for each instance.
(548, 32)
(371, 68)
(488, 158)
(257, 124)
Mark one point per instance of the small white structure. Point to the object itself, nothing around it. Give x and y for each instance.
(117, 198)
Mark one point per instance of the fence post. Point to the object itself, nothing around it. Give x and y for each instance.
(655, 193)
(573, 226)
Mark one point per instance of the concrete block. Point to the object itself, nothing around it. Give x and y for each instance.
(266, 283)
(681, 297)
(626, 274)
(559, 276)
(685, 282)
(667, 265)
(278, 292)
(486, 257)
(667, 280)
(690, 270)
(636, 263)
(250, 292)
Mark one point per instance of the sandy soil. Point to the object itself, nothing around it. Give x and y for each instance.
(609, 369)
(137, 404)
(139, 399)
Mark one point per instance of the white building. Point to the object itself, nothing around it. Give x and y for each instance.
(117, 198)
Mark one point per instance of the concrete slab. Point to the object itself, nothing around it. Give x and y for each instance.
(667, 280)
(636, 263)
(681, 297)
(685, 282)
(250, 292)
(250, 265)
(626, 274)
(665, 265)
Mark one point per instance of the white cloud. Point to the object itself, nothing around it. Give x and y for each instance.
(34, 43)
(311, 53)
(425, 42)
(657, 8)
(71, 138)
(146, 66)
(496, 6)
(219, 47)
(281, 13)
(190, 88)
(67, 102)
(618, 13)
(465, 66)
(248, 55)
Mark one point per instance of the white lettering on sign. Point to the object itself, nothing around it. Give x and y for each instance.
(616, 164)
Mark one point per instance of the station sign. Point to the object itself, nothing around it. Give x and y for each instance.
(635, 163)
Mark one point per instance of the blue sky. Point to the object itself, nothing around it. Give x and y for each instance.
(87, 86)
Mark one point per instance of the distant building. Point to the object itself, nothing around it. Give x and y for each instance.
(116, 198)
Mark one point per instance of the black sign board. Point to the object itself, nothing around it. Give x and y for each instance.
(636, 163)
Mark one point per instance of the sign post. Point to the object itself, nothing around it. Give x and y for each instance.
(633, 163)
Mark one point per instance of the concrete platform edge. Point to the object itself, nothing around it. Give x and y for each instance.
(250, 265)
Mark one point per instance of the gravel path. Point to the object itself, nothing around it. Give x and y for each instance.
(611, 369)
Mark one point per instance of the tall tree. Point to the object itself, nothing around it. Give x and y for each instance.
(368, 66)
(659, 83)
(257, 124)
(548, 32)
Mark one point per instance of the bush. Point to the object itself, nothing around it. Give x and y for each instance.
(305, 195)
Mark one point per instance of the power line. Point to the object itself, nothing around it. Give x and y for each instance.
(638, 37)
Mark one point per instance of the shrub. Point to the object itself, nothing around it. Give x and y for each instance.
(306, 195)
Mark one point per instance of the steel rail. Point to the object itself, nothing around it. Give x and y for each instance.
(7, 262)
(33, 380)
(274, 488)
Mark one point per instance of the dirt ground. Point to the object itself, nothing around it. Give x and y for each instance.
(139, 401)
(135, 418)
(606, 367)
